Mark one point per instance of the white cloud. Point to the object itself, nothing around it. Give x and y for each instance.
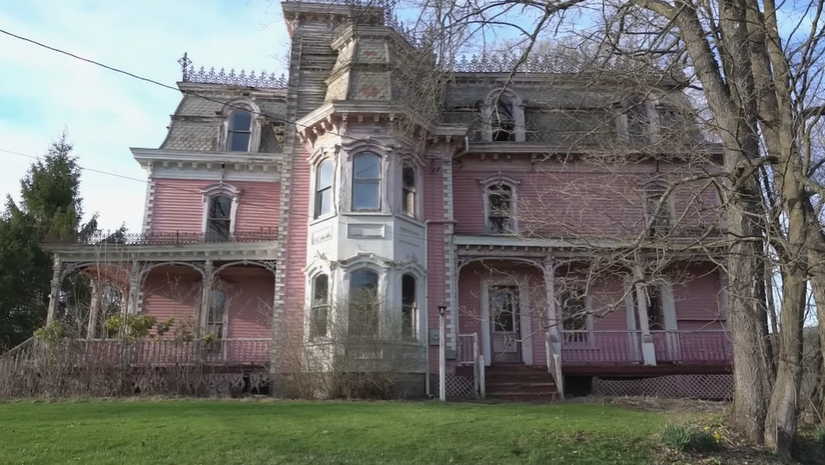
(105, 112)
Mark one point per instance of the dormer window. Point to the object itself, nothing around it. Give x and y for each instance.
(657, 211)
(503, 114)
(323, 188)
(241, 127)
(240, 131)
(408, 190)
(502, 120)
(366, 182)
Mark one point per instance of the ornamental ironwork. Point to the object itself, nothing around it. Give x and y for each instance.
(505, 63)
(262, 80)
(101, 238)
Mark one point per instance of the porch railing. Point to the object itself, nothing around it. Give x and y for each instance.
(582, 347)
(614, 347)
(165, 237)
(693, 347)
(169, 351)
(469, 353)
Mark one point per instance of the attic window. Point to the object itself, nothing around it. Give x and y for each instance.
(240, 131)
(504, 125)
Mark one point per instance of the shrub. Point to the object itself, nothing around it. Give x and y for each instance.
(705, 440)
(677, 437)
(819, 435)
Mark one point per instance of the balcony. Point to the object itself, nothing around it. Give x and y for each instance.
(167, 238)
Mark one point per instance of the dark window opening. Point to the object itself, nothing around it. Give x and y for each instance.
(240, 131)
(363, 303)
(504, 308)
(500, 201)
(574, 315)
(409, 307)
(658, 212)
(653, 308)
(408, 190)
(318, 322)
(219, 219)
(503, 122)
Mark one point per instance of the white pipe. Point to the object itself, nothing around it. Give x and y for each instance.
(442, 354)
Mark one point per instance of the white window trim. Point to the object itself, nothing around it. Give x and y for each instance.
(525, 318)
(314, 188)
(310, 302)
(518, 114)
(255, 130)
(349, 175)
(220, 189)
(495, 180)
(669, 204)
(417, 185)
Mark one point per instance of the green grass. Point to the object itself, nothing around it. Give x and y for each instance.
(227, 432)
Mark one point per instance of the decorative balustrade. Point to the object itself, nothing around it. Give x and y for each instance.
(167, 237)
(170, 352)
(692, 347)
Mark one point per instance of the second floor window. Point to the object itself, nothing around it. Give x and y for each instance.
(240, 131)
(657, 211)
(366, 182)
(323, 189)
(219, 220)
(408, 190)
(500, 209)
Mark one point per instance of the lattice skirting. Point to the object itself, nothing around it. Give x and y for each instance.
(710, 387)
(457, 386)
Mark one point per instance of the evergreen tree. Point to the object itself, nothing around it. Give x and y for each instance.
(50, 209)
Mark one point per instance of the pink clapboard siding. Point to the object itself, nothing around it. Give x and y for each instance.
(250, 293)
(697, 301)
(571, 203)
(172, 292)
(298, 202)
(178, 205)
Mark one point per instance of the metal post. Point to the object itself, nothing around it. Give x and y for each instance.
(442, 353)
(94, 309)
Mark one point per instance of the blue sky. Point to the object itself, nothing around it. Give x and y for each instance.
(106, 113)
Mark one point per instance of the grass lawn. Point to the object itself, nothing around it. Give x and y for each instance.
(266, 432)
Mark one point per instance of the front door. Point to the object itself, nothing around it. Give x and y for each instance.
(504, 324)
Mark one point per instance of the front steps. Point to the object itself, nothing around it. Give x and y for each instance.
(517, 382)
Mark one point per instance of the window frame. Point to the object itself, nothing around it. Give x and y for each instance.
(226, 113)
(232, 131)
(409, 190)
(410, 307)
(373, 331)
(318, 190)
(494, 182)
(220, 190)
(489, 110)
(656, 200)
(318, 305)
(377, 181)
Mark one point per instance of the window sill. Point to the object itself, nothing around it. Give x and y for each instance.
(321, 219)
(367, 213)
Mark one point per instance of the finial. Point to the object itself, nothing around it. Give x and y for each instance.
(185, 62)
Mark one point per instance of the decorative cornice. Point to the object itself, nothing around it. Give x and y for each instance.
(188, 252)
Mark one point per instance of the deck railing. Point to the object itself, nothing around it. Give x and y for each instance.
(469, 353)
(616, 347)
(170, 352)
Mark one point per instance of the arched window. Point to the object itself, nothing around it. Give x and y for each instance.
(500, 209)
(240, 131)
(363, 303)
(366, 182)
(323, 189)
(409, 307)
(408, 191)
(503, 120)
(318, 321)
(219, 218)
(657, 210)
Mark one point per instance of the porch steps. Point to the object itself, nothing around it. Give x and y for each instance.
(520, 383)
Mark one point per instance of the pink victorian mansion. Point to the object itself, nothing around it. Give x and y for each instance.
(304, 224)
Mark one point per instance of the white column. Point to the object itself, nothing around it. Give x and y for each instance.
(134, 288)
(94, 309)
(648, 348)
(553, 320)
(206, 296)
(54, 295)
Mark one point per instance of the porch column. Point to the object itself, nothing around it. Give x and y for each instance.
(553, 320)
(57, 267)
(206, 296)
(94, 309)
(648, 348)
(134, 288)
